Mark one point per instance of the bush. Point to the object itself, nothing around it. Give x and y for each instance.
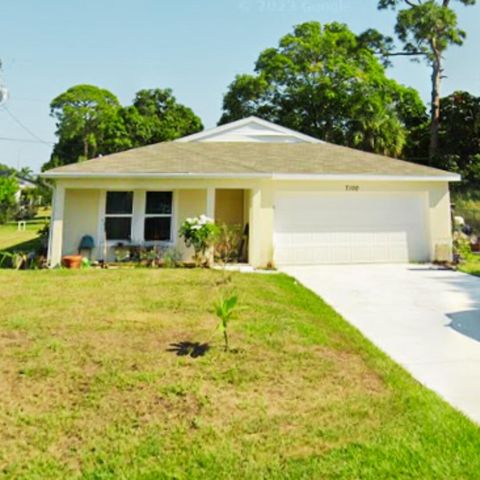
(199, 233)
(468, 208)
(148, 256)
(19, 260)
(172, 258)
(122, 253)
(462, 248)
(227, 243)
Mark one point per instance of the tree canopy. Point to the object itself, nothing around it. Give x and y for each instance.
(163, 117)
(84, 116)
(325, 81)
(91, 121)
(426, 29)
(459, 138)
(8, 189)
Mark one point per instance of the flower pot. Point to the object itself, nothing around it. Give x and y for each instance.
(72, 261)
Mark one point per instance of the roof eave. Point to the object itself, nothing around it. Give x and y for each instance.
(369, 177)
(274, 176)
(146, 175)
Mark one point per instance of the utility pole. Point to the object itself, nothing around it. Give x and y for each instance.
(3, 89)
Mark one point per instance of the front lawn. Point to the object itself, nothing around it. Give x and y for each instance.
(90, 387)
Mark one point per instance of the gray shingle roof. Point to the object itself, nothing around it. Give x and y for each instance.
(216, 158)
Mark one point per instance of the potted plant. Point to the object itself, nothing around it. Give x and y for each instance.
(122, 253)
(72, 261)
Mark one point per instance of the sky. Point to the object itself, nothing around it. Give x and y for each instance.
(194, 47)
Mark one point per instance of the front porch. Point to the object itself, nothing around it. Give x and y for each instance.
(148, 217)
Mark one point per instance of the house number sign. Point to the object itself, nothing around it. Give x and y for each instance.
(352, 188)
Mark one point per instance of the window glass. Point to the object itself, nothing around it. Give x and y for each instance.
(119, 203)
(118, 228)
(157, 228)
(159, 203)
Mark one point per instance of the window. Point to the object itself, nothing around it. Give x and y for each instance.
(118, 215)
(158, 217)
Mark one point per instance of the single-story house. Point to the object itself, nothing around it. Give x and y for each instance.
(305, 201)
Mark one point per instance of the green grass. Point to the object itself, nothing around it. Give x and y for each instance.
(471, 265)
(89, 389)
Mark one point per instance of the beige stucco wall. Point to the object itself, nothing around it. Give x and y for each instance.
(261, 208)
(82, 207)
(80, 218)
(190, 203)
(229, 206)
(440, 221)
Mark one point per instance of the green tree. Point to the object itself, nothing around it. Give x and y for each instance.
(6, 168)
(459, 138)
(162, 116)
(426, 28)
(91, 122)
(138, 129)
(8, 189)
(84, 115)
(27, 173)
(327, 82)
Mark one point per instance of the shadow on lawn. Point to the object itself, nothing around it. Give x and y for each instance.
(36, 244)
(192, 349)
(27, 246)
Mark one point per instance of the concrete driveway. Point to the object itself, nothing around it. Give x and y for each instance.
(427, 319)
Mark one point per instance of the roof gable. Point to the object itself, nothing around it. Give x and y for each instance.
(250, 129)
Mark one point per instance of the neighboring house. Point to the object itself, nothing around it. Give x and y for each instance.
(23, 183)
(305, 201)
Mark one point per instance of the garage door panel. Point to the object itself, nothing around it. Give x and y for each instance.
(333, 228)
(340, 247)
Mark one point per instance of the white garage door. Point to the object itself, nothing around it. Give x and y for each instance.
(350, 227)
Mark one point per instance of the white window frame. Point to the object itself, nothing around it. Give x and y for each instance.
(106, 215)
(170, 215)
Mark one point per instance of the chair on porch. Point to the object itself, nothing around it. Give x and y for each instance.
(87, 243)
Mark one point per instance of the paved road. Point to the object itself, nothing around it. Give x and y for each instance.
(425, 318)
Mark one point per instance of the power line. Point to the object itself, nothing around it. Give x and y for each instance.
(26, 99)
(24, 127)
(26, 140)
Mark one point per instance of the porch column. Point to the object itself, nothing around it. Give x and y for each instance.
(138, 220)
(55, 241)
(210, 208)
(254, 222)
(260, 246)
